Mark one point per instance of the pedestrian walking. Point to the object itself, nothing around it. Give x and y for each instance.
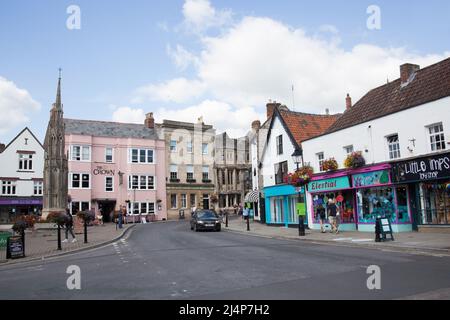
(332, 215)
(321, 216)
(69, 228)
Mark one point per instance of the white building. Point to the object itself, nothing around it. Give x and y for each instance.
(287, 130)
(21, 176)
(404, 119)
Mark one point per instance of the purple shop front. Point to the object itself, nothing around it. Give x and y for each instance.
(361, 195)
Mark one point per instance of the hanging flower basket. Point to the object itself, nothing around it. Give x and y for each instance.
(214, 198)
(355, 160)
(330, 165)
(301, 177)
(58, 218)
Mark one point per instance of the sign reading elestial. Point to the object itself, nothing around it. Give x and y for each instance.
(329, 184)
(422, 169)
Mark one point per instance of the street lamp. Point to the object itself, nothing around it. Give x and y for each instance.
(297, 157)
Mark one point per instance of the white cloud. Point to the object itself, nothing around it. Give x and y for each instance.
(199, 16)
(181, 57)
(16, 105)
(128, 115)
(175, 90)
(260, 59)
(257, 59)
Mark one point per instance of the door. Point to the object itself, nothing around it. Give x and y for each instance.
(205, 201)
(107, 210)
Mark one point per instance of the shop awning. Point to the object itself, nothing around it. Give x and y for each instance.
(252, 196)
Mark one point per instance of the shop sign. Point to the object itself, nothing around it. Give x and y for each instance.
(368, 179)
(104, 172)
(423, 169)
(329, 184)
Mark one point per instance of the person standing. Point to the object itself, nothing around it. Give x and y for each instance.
(69, 228)
(245, 213)
(321, 216)
(332, 215)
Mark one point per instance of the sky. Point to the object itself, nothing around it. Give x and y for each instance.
(220, 60)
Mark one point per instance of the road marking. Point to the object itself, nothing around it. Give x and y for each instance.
(362, 240)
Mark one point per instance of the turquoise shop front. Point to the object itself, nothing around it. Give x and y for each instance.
(281, 202)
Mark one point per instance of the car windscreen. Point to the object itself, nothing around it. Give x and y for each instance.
(206, 215)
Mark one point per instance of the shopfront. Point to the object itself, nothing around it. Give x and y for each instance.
(361, 196)
(428, 180)
(282, 203)
(13, 207)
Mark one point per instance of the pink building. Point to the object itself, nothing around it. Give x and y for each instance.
(115, 164)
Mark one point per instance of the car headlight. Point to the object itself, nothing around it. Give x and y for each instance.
(218, 221)
(200, 222)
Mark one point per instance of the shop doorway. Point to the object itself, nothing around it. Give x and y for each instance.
(206, 201)
(106, 209)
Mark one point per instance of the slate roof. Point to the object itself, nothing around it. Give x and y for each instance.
(429, 84)
(109, 129)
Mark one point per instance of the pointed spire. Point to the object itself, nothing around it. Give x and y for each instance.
(58, 92)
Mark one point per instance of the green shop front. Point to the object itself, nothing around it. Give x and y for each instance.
(361, 196)
(283, 204)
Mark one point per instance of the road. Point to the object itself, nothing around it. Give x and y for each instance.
(168, 261)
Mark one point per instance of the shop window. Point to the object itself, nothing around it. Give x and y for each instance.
(434, 203)
(276, 210)
(437, 139)
(375, 202)
(343, 201)
(394, 146)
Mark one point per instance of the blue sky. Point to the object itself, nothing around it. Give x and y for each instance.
(222, 60)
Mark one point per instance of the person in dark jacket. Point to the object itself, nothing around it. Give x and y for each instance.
(332, 215)
(69, 228)
(321, 216)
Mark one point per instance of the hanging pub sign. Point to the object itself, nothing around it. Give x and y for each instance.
(422, 169)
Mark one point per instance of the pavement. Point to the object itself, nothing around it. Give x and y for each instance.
(168, 261)
(42, 243)
(413, 242)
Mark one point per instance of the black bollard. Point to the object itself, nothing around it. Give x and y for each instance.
(85, 231)
(59, 237)
(301, 226)
(226, 219)
(248, 223)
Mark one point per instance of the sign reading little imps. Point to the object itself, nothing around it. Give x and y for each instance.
(422, 169)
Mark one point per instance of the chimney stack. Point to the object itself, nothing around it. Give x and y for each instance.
(407, 70)
(149, 120)
(2, 147)
(256, 125)
(348, 102)
(327, 111)
(270, 107)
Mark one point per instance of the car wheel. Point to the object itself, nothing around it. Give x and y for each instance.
(192, 228)
(195, 228)
(218, 229)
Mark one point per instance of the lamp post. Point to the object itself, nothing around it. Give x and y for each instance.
(297, 157)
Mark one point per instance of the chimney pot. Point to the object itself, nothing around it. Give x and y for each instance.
(327, 111)
(149, 120)
(407, 70)
(348, 102)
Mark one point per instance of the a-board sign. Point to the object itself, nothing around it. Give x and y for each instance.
(15, 247)
(385, 228)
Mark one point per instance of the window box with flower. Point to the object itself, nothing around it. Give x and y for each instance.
(354, 160)
(330, 165)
